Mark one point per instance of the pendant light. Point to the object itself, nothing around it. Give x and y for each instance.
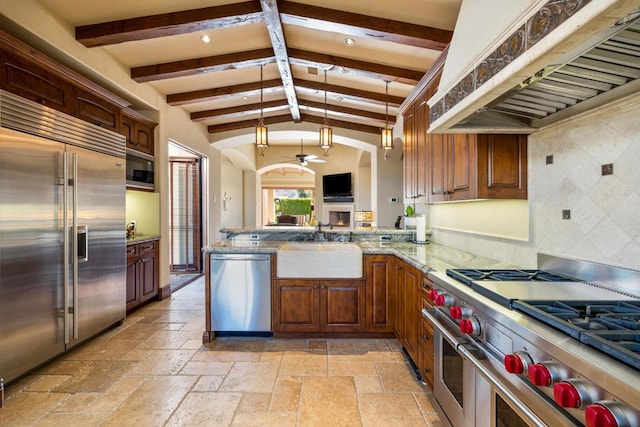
(386, 137)
(262, 137)
(326, 133)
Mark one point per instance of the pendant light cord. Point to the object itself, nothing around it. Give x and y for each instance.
(261, 67)
(386, 111)
(325, 97)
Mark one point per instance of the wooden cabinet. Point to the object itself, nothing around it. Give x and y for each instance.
(416, 124)
(380, 293)
(142, 273)
(30, 74)
(96, 110)
(138, 130)
(35, 83)
(408, 278)
(331, 306)
(470, 166)
(425, 336)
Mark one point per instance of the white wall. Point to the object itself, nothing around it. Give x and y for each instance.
(232, 214)
(605, 224)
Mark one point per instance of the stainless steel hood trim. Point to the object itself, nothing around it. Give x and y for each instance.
(587, 76)
(23, 115)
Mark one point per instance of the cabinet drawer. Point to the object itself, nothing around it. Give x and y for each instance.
(426, 365)
(147, 248)
(427, 286)
(426, 334)
(132, 251)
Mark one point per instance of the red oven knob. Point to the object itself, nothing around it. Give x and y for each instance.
(606, 413)
(517, 363)
(470, 326)
(433, 294)
(573, 393)
(443, 300)
(539, 375)
(545, 374)
(455, 312)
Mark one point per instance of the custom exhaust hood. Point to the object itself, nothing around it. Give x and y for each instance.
(521, 86)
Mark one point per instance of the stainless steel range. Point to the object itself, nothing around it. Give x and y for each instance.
(554, 347)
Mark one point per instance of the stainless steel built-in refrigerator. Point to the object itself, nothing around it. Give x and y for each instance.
(62, 233)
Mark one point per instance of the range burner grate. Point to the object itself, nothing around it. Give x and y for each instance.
(473, 275)
(611, 327)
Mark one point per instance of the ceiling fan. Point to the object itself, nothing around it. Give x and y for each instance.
(304, 158)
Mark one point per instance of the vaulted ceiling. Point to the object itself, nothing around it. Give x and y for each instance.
(292, 44)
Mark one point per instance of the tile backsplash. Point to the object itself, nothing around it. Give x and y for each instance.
(603, 210)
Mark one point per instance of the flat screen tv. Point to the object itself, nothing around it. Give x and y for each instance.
(337, 185)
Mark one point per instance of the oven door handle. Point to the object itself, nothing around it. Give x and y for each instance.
(488, 373)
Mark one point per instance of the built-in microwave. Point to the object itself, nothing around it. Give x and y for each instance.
(140, 170)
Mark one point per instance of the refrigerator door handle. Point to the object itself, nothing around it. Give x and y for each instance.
(82, 238)
(65, 243)
(74, 227)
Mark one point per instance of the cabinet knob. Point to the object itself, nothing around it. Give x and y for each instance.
(324, 286)
(426, 370)
(426, 337)
(315, 286)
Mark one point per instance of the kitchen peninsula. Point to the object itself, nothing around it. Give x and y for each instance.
(385, 301)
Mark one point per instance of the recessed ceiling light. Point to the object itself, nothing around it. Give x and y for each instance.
(245, 97)
(339, 98)
(205, 38)
(349, 41)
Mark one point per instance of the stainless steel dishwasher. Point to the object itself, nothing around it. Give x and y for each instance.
(240, 294)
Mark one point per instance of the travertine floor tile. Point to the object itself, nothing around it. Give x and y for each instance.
(95, 376)
(304, 364)
(162, 362)
(396, 378)
(270, 419)
(286, 396)
(254, 402)
(390, 410)
(368, 384)
(352, 368)
(207, 368)
(24, 409)
(328, 401)
(244, 377)
(116, 394)
(47, 382)
(208, 383)
(72, 420)
(162, 340)
(205, 409)
(103, 350)
(152, 403)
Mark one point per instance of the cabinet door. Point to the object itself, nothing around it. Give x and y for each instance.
(380, 293)
(420, 157)
(96, 110)
(502, 166)
(31, 82)
(342, 305)
(143, 137)
(132, 292)
(295, 306)
(425, 364)
(148, 271)
(462, 176)
(437, 166)
(412, 279)
(408, 156)
(400, 301)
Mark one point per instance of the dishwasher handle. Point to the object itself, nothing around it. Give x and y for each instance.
(240, 257)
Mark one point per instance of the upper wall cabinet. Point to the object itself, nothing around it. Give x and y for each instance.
(453, 167)
(33, 75)
(470, 166)
(138, 130)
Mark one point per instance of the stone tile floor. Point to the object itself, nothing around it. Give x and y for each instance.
(154, 371)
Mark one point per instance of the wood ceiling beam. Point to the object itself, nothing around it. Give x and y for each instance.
(272, 19)
(169, 24)
(364, 26)
(240, 110)
(362, 68)
(244, 124)
(346, 112)
(347, 92)
(248, 89)
(341, 124)
(190, 67)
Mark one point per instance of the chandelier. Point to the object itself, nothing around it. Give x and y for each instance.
(386, 137)
(262, 137)
(326, 133)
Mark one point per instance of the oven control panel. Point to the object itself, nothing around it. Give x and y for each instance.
(589, 403)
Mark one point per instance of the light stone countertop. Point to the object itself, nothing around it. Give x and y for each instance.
(424, 257)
